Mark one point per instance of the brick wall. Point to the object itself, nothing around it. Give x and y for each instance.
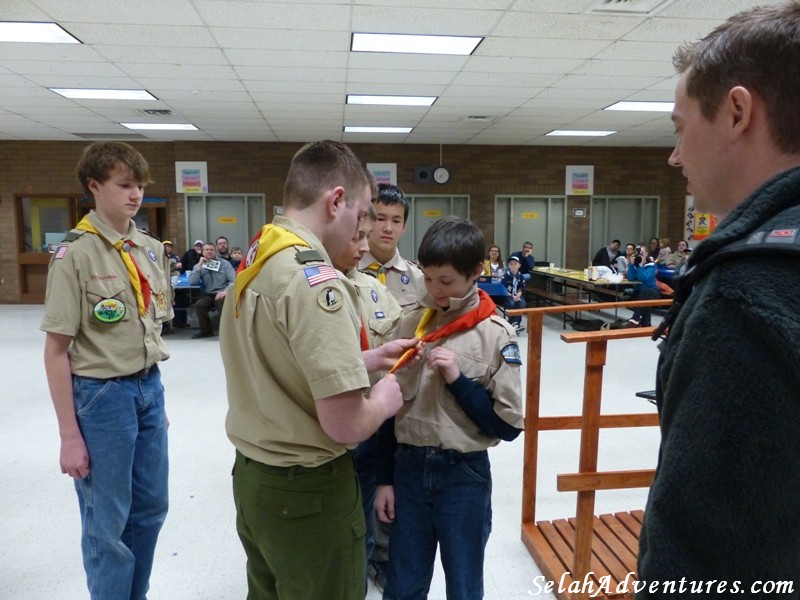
(33, 167)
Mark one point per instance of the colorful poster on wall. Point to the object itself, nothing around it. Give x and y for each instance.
(580, 180)
(191, 177)
(383, 172)
(697, 225)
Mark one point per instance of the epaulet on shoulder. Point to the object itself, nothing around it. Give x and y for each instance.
(146, 232)
(306, 256)
(72, 235)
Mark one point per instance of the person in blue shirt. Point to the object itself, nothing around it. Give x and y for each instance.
(526, 260)
(514, 282)
(648, 290)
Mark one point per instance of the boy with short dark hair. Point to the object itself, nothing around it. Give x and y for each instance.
(514, 282)
(461, 398)
(383, 261)
(108, 294)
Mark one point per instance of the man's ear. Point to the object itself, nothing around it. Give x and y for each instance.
(334, 200)
(738, 107)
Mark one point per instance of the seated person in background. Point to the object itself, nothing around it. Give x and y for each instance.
(192, 256)
(605, 257)
(677, 260)
(223, 251)
(644, 272)
(494, 264)
(526, 260)
(175, 265)
(216, 276)
(653, 250)
(664, 251)
(622, 262)
(514, 282)
(236, 257)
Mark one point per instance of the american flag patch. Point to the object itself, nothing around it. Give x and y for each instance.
(320, 274)
(62, 250)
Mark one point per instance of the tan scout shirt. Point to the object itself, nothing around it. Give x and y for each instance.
(89, 270)
(430, 415)
(380, 312)
(293, 342)
(403, 278)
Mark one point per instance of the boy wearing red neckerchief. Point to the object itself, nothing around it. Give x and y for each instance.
(461, 398)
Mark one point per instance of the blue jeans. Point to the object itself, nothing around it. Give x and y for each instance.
(511, 303)
(441, 497)
(124, 499)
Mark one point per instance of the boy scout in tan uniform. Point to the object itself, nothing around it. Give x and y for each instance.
(295, 375)
(383, 261)
(108, 294)
(463, 397)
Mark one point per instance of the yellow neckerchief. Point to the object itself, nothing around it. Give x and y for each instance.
(379, 270)
(271, 240)
(419, 332)
(139, 282)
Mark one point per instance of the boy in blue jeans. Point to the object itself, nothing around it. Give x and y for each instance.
(514, 282)
(461, 398)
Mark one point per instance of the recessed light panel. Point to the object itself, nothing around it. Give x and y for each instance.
(579, 133)
(351, 129)
(43, 33)
(98, 94)
(161, 126)
(642, 106)
(391, 100)
(414, 44)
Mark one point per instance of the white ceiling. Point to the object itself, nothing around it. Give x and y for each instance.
(262, 70)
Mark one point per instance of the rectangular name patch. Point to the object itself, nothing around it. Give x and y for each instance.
(320, 274)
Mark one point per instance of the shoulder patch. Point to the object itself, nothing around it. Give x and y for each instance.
(72, 235)
(511, 354)
(306, 256)
(320, 274)
(61, 252)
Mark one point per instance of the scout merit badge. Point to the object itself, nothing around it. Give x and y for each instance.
(485, 309)
(141, 286)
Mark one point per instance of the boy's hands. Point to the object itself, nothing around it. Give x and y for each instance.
(384, 503)
(444, 360)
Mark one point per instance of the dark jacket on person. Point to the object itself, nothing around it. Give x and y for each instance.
(189, 260)
(602, 259)
(526, 263)
(725, 502)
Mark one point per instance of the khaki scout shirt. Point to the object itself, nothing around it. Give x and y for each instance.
(295, 341)
(487, 353)
(88, 271)
(380, 312)
(403, 278)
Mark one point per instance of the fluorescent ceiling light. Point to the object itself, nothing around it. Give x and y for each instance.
(414, 44)
(391, 100)
(642, 106)
(48, 33)
(161, 126)
(98, 94)
(351, 129)
(579, 133)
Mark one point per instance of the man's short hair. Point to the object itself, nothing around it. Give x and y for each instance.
(222, 237)
(527, 244)
(758, 49)
(452, 241)
(100, 158)
(617, 242)
(320, 166)
(391, 195)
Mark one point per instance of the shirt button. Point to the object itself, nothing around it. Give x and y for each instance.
(285, 511)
